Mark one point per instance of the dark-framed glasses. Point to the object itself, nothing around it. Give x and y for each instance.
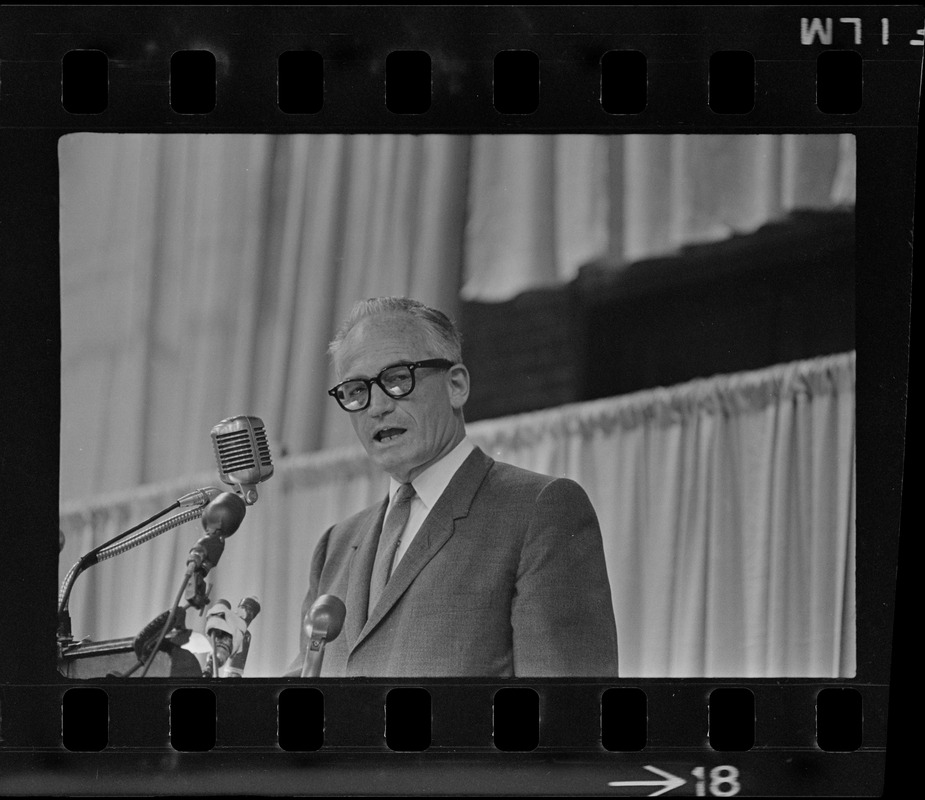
(396, 381)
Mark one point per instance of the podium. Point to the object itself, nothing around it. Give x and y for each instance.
(86, 659)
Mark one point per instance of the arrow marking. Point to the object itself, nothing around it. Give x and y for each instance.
(668, 783)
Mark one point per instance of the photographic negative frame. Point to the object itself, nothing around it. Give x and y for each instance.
(787, 44)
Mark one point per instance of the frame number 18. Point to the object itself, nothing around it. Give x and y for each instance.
(723, 781)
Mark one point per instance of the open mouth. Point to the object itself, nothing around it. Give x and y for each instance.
(387, 434)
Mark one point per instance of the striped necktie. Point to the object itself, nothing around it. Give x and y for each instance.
(388, 543)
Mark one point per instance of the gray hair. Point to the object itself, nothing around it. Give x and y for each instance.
(441, 335)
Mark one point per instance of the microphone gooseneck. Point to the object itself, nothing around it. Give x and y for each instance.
(243, 457)
(193, 502)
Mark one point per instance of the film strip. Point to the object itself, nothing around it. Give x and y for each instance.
(465, 70)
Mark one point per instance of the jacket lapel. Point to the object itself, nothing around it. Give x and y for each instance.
(360, 571)
(439, 526)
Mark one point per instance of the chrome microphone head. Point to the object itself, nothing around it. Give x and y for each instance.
(242, 454)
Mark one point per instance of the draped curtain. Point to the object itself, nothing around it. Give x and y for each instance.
(203, 275)
(541, 206)
(726, 506)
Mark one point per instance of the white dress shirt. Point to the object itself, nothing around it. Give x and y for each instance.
(428, 487)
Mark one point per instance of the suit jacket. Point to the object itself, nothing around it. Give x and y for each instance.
(506, 577)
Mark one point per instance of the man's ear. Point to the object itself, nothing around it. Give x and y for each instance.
(458, 383)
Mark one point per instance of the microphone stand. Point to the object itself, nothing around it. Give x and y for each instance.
(203, 557)
(165, 629)
(111, 548)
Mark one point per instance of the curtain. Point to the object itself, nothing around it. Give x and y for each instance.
(203, 275)
(726, 507)
(542, 206)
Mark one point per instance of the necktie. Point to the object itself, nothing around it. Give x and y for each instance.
(388, 543)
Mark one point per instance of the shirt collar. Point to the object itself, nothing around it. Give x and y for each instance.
(432, 482)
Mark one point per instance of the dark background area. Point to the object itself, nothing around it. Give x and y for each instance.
(783, 293)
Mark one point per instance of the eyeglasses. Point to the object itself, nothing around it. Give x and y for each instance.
(396, 381)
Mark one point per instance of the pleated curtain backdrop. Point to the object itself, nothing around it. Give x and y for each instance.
(203, 275)
(726, 507)
(541, 206)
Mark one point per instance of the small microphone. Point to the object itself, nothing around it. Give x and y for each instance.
(242, 454)
(248, 608)
(227, 630)
(204, 555)
(223, 516)
(220, 519)
(322, 624)
(221, 632)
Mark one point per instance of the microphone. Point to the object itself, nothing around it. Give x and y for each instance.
(227, 630)
(242, 454)
(205, 554)
(224, 515)
(193, 501)
(220, 519)
(322, 624)
(248, 608)
(224, 631)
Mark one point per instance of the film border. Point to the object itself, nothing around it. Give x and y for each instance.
(355, 42)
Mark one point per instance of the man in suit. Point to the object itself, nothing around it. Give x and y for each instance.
(470, 567)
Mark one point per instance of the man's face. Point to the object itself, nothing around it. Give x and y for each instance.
(403, 436)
